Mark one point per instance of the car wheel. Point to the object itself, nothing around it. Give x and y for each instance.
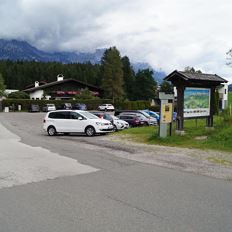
(115, 129)
(51, 131)
(90, 131)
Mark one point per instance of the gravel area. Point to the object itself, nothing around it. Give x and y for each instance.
(204, 162)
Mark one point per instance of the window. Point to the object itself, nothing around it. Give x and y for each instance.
(107, 117)
(89, 115)
(60, 115)
(74, 115)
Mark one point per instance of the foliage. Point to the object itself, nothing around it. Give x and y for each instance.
(19, 95)
(129, 78)
(229, 57)
(112, 74)
(92, 104)
(20, 74)
(25, 103)
(145, 85)
(216, 103)
(2, 86)
(132, 105)
(85, 94)
(192, 70)
(166, 87)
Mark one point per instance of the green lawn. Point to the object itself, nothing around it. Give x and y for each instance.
(219, 139)
(230, 98)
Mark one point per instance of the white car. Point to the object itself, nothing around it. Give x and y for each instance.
(49, 107)
(106, 107)
(120, 124)
(75, 121)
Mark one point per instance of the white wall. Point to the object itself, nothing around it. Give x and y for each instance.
(223, 93)
(38, 94)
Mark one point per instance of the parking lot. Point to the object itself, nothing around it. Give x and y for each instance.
(117, 195)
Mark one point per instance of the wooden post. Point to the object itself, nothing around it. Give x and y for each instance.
(212, 101)
(180, 108)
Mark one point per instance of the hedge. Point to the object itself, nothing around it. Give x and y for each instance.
(25, 103)
(91, 104)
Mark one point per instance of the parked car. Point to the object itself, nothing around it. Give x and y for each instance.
(157, 116)
(65, 106)
(79, 106)
(49, 107)
(120, 121)
(133, 119)
(118, 125)
(150, 121)
(34, 108)
(106, 107)
(153, 114)
(75, 121)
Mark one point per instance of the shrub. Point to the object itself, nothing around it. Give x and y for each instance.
(19, 95)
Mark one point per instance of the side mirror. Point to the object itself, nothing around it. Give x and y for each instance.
(80, 118)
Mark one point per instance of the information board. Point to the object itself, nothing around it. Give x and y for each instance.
(196, 102)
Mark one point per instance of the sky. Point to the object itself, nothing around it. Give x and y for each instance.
(168, 34)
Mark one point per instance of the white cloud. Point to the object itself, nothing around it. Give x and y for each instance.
(167, 34)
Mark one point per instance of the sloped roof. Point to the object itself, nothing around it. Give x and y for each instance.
(188, 76)
(58, 83)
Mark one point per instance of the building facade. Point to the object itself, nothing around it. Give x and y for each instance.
(60, 89)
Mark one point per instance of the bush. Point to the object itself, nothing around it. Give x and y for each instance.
(25, 103)
(19, 95)
(92, 104)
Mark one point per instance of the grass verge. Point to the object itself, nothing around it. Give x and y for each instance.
(197, 135)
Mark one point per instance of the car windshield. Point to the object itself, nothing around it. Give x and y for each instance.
(145, 114)
(50, 105)
(89, 115)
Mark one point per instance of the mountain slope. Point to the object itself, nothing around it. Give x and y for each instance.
(21, 50)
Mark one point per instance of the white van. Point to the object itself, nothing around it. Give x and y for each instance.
(75, 121)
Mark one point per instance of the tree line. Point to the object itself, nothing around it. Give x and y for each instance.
(115, 75)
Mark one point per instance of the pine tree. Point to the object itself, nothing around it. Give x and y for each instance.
(145, 85)
(112, 74)
(2, 86)
(129, 78)
(166, 87)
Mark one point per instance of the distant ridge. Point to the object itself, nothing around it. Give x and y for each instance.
(21, 50)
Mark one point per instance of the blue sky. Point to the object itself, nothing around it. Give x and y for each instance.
(167, 34)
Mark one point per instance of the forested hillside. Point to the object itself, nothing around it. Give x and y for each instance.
(19, 74)
(114, 74)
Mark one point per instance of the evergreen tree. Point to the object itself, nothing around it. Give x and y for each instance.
(191, 70)
(166, 87)
(129, 78)
(2, 86)
(145, 85)
(112, 74)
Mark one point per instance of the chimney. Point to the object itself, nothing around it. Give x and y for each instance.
(36, 84)
(60, 77)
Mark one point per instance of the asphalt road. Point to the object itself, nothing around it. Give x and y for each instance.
(115, 194)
